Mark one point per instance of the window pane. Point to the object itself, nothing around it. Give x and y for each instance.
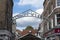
(58, 2)
(49, 25)
(58, 18)
(58, 15)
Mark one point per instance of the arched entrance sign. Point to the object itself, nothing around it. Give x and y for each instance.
(27, 13)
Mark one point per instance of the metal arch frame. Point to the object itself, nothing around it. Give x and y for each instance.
(28, 13)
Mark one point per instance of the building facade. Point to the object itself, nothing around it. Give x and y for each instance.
(6, 7)
(51, 20)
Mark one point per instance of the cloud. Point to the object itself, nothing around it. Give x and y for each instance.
(39, 11)
(21, 28)
(14, 14)
(35, 3)
(27, 21)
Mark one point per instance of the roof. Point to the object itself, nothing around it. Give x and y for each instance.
(24, 32)
(29, 36)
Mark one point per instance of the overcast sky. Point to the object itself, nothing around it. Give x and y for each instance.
(23, 5)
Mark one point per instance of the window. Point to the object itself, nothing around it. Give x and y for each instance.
(58, 18)
(58, 2)
(50, 25)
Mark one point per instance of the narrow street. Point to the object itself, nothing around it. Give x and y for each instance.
(29, 19)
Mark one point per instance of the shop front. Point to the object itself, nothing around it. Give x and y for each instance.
(53, 34)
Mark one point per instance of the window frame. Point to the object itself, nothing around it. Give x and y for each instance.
(48, 25)
(51, 23)
(57, 3)
(56, 20)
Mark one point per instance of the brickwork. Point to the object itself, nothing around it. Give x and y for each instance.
(6, 14)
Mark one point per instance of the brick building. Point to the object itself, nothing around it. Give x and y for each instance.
(51, 20)
(6, 7)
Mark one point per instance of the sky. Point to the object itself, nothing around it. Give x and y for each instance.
(23, 5)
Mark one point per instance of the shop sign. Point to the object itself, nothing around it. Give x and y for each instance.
(57, 30)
